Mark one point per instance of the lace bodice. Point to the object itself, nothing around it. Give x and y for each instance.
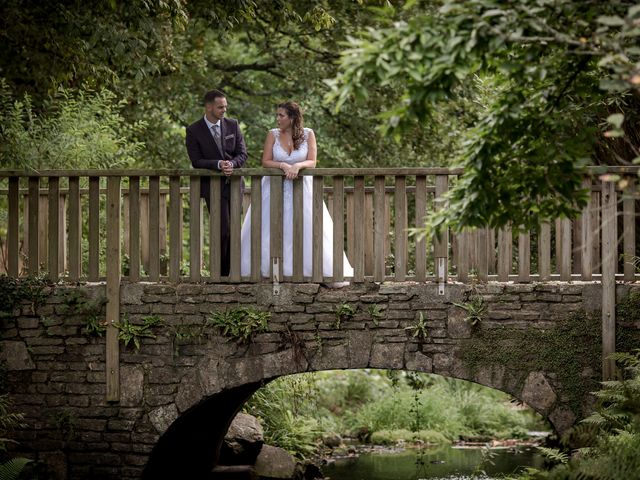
(281, 155)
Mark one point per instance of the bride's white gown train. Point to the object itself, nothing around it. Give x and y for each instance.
(299, 155)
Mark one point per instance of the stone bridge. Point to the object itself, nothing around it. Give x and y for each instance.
(539, 342)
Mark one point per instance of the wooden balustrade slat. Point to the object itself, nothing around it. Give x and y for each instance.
(368, 233)
(162, 231)
(504, 253)
(144, 230)
(483, 257)
(94, 229)
(235, 225)
(338, 228)
(629, 231)
(358, 231)
(565, 255)
(586, 241)
(421, 244)
(594, 213)
(317, 219)
(175, 228)
(256, 228)
(33, 252)
(75, 230)
(380, 233)
(298, 237)
(462, 256)
(350, 225)
(154, 229)
(195, 252)
(13, 233)
(609, 261)
(134, 229)
(441, 241)
(576, 252)
(53, 231)
(275, 214)
(215, 238)
(400, 229)
(491, 252)
(524, 257)
(544, 252)
(112, 357)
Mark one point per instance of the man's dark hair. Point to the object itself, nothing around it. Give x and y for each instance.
(212, 95)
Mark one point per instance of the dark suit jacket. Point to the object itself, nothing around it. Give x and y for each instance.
(204, 153)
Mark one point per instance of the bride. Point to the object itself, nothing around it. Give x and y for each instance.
(290, 147)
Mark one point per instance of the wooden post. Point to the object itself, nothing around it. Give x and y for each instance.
(317, 219)
(256, 228)
(358, 233)
(544, 252)
(483, 255)
(154, 229)
(194, 229)
(338, 229)
(113, 289)
(504, 253)
(400, 202)
(75, 230)
(629, 231)
(586, 241)
(134, 229)
(34, 216)
(524, 257)
(275, 216)
(175, 228)
(421, 244)
(379, 226)
(54, 228)
(298, 237)
(441, 247)
(94, 229)
(215, 245)
(609, 259)
(12, 230)
(235, 225)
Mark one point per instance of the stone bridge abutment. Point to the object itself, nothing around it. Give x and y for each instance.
(181, 388)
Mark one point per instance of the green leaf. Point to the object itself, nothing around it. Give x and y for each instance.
(611, 21)
(616, 119)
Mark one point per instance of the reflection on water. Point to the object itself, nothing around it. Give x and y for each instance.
(442, 463)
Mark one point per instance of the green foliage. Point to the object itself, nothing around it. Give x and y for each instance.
(476, 309)
(393, 437)
(545, 75)
(554, 455)
(131, 332)
(94, 327)
(375, 312)
(241, 323)
(344, 313)
(78, 129)
(66, 423)
(8, 421)
(419, 330)
(13, 291)
(287, 419)
(11, 469)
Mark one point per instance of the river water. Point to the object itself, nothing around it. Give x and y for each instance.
(448, 463)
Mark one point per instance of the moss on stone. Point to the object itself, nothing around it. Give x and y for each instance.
(568, 353)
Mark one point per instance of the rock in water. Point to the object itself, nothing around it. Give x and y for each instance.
(274, 462)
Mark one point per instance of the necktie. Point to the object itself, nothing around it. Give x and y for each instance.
(216, 136)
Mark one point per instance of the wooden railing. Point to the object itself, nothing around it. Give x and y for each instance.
(63, 223)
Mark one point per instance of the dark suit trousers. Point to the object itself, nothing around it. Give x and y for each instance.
(225, 250)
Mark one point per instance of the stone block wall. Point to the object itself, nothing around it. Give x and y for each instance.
(55, 364)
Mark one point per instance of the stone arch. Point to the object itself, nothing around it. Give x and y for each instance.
(190, 447)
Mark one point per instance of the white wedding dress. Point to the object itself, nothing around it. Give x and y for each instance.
(299, 155)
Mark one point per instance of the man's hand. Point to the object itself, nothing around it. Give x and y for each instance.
(227, 167)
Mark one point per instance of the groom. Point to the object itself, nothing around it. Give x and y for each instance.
(216, 143)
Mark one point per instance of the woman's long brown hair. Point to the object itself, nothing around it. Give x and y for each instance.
(297, 122)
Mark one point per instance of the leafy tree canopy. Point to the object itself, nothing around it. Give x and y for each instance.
(553, 73)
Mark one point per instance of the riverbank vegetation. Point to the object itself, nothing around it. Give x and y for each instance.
(384, 408)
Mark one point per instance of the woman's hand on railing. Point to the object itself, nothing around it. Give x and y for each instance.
(290, 171)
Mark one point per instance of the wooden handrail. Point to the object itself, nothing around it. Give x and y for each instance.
(375, 212)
